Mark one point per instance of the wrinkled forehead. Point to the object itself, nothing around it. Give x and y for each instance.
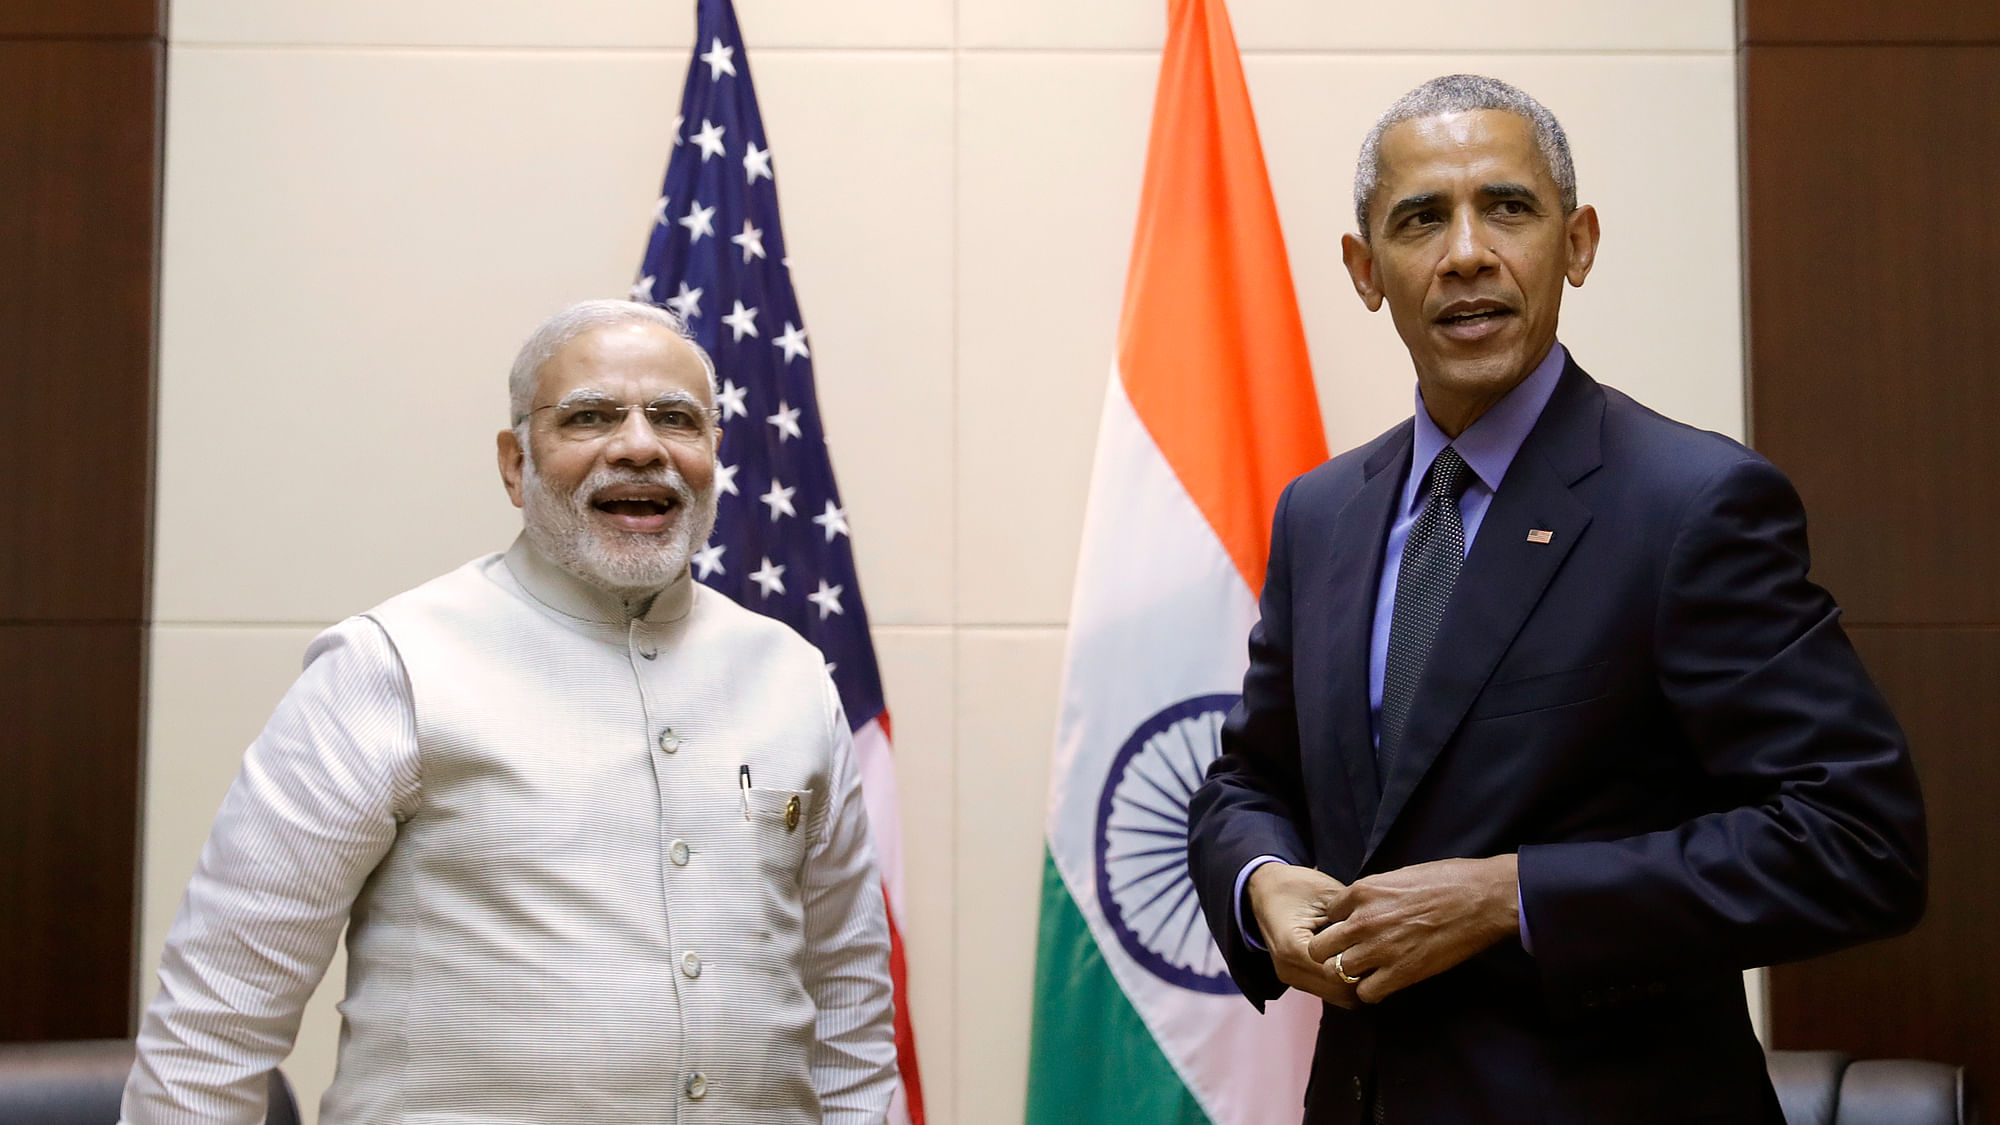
(1427, 154)
(633, 362)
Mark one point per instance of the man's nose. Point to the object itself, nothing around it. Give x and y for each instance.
(1467, 250)
(634, 441)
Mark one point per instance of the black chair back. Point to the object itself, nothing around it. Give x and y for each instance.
(1830, 1088)
(80, 1082)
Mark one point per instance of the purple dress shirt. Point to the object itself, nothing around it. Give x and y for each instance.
(1488, 446)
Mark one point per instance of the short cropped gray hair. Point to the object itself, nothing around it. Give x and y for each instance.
(574, 321)
(1463, 93)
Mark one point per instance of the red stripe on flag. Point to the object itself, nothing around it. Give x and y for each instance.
(906, 1036)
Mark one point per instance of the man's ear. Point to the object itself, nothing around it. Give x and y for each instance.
(1360, 259)
(512, 457)
(1580, 231)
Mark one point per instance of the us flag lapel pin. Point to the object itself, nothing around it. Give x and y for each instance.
(1537, 535)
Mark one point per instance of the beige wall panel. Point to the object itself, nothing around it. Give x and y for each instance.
(1007, 682)
(867, 199)
(918, 675)
(580, 23)
(356, 242)
(1050, 150)
(1297, 25)
(210, 691)
(1654, 139)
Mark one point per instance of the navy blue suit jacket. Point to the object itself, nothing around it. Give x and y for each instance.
(1656, 709)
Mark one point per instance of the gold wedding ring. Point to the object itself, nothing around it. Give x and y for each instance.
(1340, 970)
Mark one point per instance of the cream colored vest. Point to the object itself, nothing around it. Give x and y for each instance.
(588, 919)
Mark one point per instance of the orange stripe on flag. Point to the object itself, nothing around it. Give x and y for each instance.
(1210, 344)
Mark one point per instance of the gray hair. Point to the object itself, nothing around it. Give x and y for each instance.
(574, 321)
(1463, 93)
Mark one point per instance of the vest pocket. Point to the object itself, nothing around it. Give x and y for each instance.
(781, 825)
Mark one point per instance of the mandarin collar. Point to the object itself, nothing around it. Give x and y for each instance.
(571, 596)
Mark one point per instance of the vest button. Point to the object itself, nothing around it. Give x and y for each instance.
(669, 741)
(697, 1086)
(648, 653)
(691, 964)
(678, 852)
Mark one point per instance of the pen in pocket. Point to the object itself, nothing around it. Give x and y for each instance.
(743, 781)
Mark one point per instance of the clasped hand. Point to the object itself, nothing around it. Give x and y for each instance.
(1389, 930)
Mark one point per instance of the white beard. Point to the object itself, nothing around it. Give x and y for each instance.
(627, 565)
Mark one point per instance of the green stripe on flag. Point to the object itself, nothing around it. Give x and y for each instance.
(1091, 1060)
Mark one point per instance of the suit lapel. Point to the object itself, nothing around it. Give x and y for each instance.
(1354, 568)
(1503, 580)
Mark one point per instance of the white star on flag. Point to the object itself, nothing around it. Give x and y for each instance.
(827, 599)
(725, 479)
(710, 139)
(679, 120)
(793, 341)
(743, 321)
(770, 578)
(643, 291)
(834, 520)
(687, 302)
(708, 560)
(779, 499)
(720, 60)
(699, 221)
(752, 242)
(787, 421)
(660, 212)
(756, 162)
(730, 401)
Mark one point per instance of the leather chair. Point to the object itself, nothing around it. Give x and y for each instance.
(80, 1082)
(1830, 1088)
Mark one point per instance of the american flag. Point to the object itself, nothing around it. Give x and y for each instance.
(717, 257)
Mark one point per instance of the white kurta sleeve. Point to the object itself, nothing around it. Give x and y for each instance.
(313, 810)
(847, 951)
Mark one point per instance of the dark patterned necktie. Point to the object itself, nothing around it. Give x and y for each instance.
(1432, 556)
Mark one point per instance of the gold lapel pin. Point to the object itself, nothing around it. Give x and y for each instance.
(791, 814)
(1537, 535)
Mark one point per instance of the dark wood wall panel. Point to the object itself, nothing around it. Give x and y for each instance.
(1876, 382)
(1927, 994)
(1870, 21)
(80, 111)
(78, 19)
(77, 221)
(1872, 144)
(66, 828)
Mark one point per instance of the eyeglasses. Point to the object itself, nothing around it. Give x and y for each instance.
(592, 417)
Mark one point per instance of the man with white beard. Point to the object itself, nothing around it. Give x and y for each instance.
(593, 830)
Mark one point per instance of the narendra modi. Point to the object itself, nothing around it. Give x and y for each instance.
(593, 831)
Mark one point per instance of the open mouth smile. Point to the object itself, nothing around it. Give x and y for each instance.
(636, 509)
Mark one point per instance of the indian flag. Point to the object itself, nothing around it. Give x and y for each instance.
(1209, 413)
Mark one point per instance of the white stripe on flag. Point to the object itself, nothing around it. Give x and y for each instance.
(877, 765)
(1160, 616)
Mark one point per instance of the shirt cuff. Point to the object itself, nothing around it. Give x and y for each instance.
(1246, 920)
